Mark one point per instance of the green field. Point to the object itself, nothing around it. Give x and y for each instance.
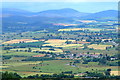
(37, 44)
(13, 53)
(38, 49)
(54, 66)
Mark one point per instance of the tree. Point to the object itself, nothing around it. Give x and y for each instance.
(107, 72)
(10, 76)
(77, 61)
(85, 62)
(29, 50)
(85, 46)
(88, 40)
(103, 61)
(88, 52)
(68, 42)
(94, 74)
(70, 63)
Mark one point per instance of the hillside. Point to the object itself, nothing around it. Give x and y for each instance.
(108, 14)
(25, 20)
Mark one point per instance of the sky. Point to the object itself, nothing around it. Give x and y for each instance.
(59, 0)
(90, 7)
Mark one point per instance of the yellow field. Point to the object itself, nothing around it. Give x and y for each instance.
(106, 39)
(60, 43)
(64, 45)
(102, 47)
(19, 40)
(70, 45)
(77, 29)
(47, 50)
(4, 66)
(57, 41)
(74, 29)
(92, 29)
(38, 49)
(116, 73)
(87, 21)
(0, 41)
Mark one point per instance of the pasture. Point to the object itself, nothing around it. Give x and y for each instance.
(38, 49)
(101, 47)
(14, 53)
(26, 68)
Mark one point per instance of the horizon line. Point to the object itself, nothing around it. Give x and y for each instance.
(57, 9)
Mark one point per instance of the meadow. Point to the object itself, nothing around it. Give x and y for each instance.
(97, 46)
(82, 29)
(27, 68)
(14, 53)
(39, 49)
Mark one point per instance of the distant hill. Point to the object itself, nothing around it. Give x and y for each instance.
(15, 19)
(108, 14)
(66, 12)
(15, 12)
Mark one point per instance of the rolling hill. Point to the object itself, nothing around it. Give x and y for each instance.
(108, 14)
(15, 19)
(7, 12)
(66, 12)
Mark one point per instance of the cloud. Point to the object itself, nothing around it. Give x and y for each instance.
(59, 1)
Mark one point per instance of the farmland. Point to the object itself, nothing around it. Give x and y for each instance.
(19, 40)
(115, 72)
(50, 67)
(82, 29)
(60, 43)
(38, 49)
(102, 47)
(74, 29)
(72, 50)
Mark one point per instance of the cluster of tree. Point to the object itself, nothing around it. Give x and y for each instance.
(7, 48)
(30, 50)
(63, 75)
(38, 59)
(113, 63)
(68, 42)
(102, 75)
(51, 76)
(102, 60)
(95, 74)
(10, 76)
(30, 44)
(6, 57)
(67, 72)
